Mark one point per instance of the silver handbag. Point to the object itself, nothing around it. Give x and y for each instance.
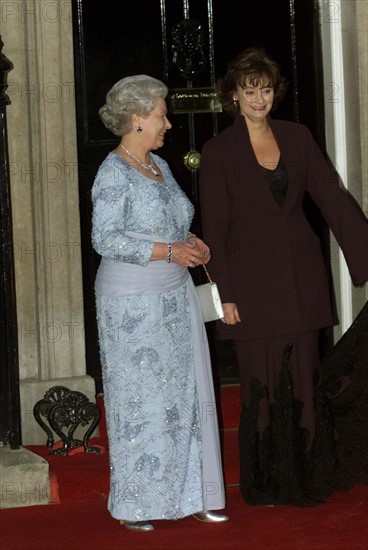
(210, 300)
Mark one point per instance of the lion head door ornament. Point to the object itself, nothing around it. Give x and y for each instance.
(188, 49)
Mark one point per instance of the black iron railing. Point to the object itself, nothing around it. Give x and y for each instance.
(10, 433)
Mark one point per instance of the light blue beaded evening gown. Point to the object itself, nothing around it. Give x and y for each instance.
(165, 460)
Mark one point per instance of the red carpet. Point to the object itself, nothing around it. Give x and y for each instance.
(228, 400)
(80, 519)
(340, 524)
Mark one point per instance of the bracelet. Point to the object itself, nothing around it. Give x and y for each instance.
(191, 235)
(169, 253)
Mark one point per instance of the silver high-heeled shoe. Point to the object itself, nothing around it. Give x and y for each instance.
(137, 525)
(210, 516)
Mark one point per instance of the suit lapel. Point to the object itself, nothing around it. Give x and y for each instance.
(251, 171)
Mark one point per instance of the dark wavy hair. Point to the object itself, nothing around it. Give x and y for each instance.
(252, 66)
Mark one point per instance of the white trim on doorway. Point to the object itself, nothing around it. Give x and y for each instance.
(333, 70)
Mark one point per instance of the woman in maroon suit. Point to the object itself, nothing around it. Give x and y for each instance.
(268, 264)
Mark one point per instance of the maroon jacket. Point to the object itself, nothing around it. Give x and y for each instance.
(267, 259)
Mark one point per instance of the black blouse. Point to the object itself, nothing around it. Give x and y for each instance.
(277, 180)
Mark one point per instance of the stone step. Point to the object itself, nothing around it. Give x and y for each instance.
(24, 478)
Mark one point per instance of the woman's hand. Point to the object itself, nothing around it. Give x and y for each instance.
(191, 253)
(202, 247)
(231, 314)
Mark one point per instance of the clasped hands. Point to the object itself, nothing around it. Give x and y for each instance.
(191, 253)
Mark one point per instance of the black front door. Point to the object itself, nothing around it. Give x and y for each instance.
(187, 44)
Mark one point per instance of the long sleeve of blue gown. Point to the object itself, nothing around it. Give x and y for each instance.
(113, 197)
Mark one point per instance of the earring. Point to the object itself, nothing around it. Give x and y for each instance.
(235, 101)
(139, 129)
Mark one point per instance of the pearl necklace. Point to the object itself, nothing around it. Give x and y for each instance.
(149, 166)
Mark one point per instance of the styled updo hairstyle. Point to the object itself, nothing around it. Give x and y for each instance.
(131, 95)
(251, 67)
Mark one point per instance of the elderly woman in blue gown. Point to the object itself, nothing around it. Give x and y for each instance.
(158, 391)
